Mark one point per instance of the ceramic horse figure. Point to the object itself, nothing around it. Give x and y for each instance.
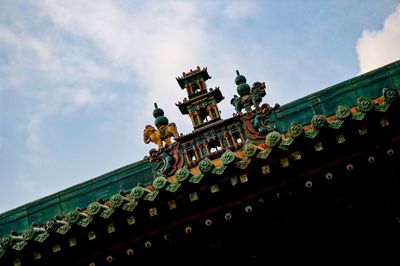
(163, 134)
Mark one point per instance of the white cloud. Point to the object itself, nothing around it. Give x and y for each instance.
(58, 101)
(83, 44)
(239, 9)
(151, 43)
(30, 186)
(2, 141)
(33, 127)
(376, 48)
(26, 184)
(7, 36)
(87, 97)
(49, 57)
(37, 153)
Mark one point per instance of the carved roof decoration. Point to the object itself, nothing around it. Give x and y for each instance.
(272, 135)
(216, 93)
(197, 71)
(201, 104)
(236, 161)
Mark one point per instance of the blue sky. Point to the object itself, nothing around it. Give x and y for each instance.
(78, 78)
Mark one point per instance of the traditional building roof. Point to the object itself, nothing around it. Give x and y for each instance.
(273, 139)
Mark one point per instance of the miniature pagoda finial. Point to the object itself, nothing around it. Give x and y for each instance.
(202, 103)
(164, 132)
(247, 96)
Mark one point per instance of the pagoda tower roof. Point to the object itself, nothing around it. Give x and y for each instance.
(197, 72)
(212, 92)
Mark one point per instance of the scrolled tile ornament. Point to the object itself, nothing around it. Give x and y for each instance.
(173, 187)
(63, 229)
(42, 237)
(249, 149)
(20, 245)
(365, 105)
(196, 178)
(318, 121)
(51, 225)
(28, 233)
(6, 241)
(151, 196)
(295, 130)
(130, 206)
(390, 95)
(93, 208)
(73, 217)
(228, 157)
(206, 165)
(342, 112)
(137, 192)
(273, 138)
(116, 200)
(182, 174)
(159, 182)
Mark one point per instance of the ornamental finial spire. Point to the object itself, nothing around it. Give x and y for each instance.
(248, 97)
(164, 132)
(243, 88)
(158, 114)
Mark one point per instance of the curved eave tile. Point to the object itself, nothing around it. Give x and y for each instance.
(229, 159)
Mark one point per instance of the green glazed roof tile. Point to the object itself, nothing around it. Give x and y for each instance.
(312, 109)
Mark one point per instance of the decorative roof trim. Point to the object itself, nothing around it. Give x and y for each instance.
(206, 167)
